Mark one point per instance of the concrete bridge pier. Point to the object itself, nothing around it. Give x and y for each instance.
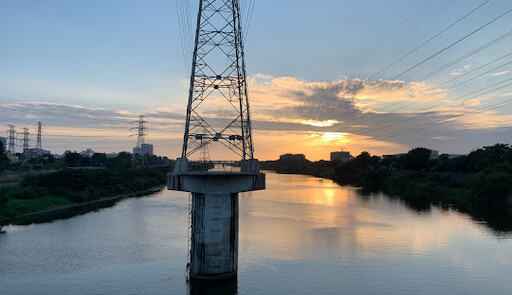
(214, 234)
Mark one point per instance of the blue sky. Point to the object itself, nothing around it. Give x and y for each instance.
(126, 55)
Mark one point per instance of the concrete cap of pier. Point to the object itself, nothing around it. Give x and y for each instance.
(248, 179)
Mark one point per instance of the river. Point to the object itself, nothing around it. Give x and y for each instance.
(302, 235)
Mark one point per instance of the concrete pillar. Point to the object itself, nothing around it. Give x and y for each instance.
(214, 239)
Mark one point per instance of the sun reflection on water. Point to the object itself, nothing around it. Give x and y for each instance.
(300, 215)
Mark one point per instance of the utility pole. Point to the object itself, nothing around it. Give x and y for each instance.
(39, 144)
(11, 144)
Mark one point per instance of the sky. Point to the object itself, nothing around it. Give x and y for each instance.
(319, 73)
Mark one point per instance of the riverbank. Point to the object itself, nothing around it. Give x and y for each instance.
(479, 184)
(76, 205)
(66, 189)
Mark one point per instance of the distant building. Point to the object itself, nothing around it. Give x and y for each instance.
(145, 149)
(385, 157)
(34, 153)
(111, 155)
(292, 157)
(87, 153)
(453, 156)
(434, 154)
(341, 156)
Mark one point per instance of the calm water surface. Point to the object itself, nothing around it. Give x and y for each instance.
(303, 235)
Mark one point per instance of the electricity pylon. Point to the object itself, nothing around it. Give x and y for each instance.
(11, 144)
(141, 130)
(25, 139)
(39, 143)
(219, 80)
(217, 112)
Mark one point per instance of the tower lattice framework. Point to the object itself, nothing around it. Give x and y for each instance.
(141, 131)
(11, 144)
(25, 140)
(39, 143)
(218, 105)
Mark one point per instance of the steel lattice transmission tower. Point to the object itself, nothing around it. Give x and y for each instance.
(39, 144)
(141, 130)
(217, 111)
(218, 76)
(25, 139)
(11, 144)
(205, 153)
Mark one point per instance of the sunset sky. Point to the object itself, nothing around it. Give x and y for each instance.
(318, 71)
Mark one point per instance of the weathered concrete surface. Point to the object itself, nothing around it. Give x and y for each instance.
(214, 239)
(214, 243)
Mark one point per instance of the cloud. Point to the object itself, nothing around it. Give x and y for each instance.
(459, 72)
(499, 73)
(288, 115)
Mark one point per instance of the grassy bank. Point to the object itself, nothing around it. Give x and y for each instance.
(42, 191)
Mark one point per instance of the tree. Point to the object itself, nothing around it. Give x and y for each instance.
(487, 156)
(416, 159)
(84, 161)
(122, 160)
(98, 159)
(4, 160)
(72, 159)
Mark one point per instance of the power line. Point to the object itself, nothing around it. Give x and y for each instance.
(426, 19)
(474, 70)
(389, 33)
(452, 44)
(425, 126)
(452, 133)
(430, 39)
(440, 104)
(488, 44)
(444, 103)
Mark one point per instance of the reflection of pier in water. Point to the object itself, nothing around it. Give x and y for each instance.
(216, 287)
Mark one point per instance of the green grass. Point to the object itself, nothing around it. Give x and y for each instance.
(15, 207)
(37, 192)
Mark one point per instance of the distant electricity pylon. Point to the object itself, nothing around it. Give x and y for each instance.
(205, 153)
(39, 144)
(218, 79)
(25, 140)
(141, 130)
(11, 144)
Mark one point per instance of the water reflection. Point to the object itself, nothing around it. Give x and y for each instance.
(302, 235)
(222, 287)
(326, 220)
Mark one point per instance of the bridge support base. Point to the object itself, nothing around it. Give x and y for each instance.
(214, 234)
